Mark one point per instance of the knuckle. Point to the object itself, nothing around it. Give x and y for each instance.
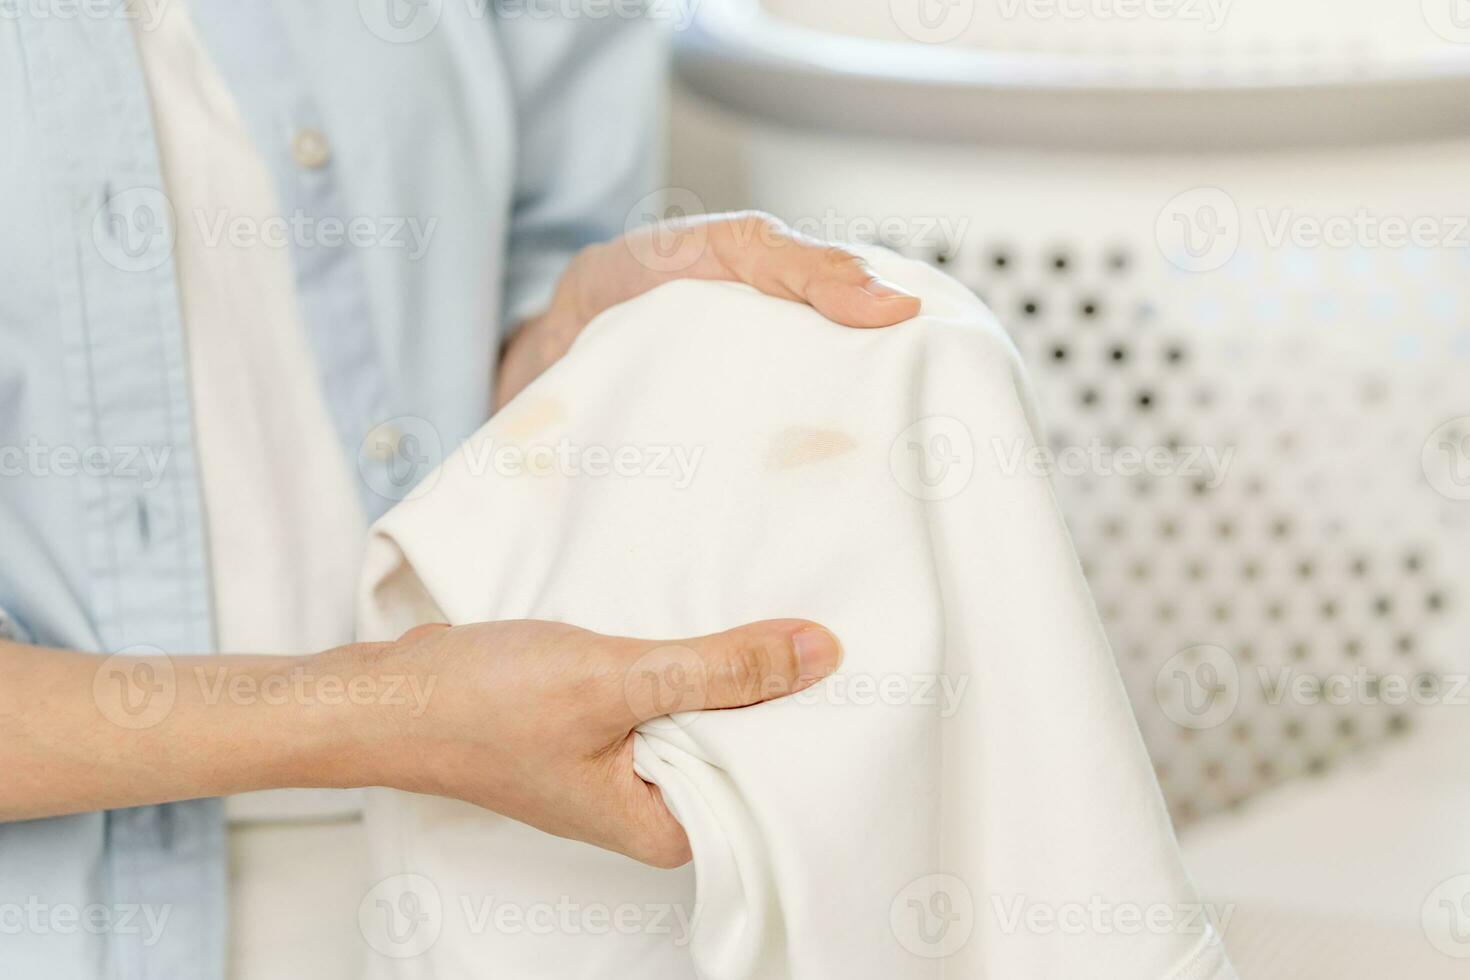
(746, 669)
(839, 261)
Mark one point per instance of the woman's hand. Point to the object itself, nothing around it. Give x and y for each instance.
(748, 247)
(534, 720)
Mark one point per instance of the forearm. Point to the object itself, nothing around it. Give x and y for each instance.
(82, 732)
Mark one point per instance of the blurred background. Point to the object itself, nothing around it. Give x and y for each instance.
(1231, 240)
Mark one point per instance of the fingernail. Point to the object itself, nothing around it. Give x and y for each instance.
(883, 289)
(817, 653)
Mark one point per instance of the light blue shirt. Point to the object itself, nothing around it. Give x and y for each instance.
(518, 135)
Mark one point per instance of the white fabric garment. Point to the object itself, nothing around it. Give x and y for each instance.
(968, 797)
(285, 529)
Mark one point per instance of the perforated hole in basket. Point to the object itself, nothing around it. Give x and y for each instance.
(1307, 555)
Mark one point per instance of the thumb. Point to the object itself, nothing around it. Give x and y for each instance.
(733, 669)
(844, 289)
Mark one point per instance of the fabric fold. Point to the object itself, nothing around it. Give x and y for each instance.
(968, 797)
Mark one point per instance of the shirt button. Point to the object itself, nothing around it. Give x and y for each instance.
(310, 149)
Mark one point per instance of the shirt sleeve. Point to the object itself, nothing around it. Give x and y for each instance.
(588, 95)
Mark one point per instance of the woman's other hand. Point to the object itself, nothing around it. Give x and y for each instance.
(749, 247)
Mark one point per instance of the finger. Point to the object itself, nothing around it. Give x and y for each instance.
(763, 252)
(734, 669)
(647, 830)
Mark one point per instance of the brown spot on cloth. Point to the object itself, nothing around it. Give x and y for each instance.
(801, 445)
(532, 419)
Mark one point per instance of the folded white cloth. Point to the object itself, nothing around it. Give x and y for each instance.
(968, 797)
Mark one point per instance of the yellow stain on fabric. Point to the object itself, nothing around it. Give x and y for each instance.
(533, 418)
(802, 445)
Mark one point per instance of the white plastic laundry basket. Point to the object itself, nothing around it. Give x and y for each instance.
(1240, 276)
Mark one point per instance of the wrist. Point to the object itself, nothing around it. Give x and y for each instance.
(351, 735)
